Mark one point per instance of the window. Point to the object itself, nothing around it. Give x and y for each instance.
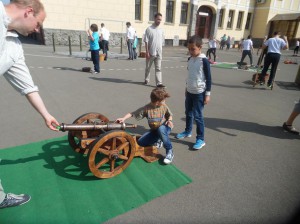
(184, 12)
(230, 18)
(153, 9)
(221, 14)
(247, 26)
(170, 11)
(138, 13)
(240, 20)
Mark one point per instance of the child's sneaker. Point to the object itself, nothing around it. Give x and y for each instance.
(199, 144)
(184, 134)
(158, 144)
(169, 157)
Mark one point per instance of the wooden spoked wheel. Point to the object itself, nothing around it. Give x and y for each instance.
(79, 140)
(111, 153)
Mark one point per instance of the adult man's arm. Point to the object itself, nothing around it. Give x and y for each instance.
(19, 77)
(287, 43)
(38, 104)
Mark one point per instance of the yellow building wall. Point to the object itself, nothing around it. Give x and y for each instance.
(268, 10)
(78, 14)
(237, 6)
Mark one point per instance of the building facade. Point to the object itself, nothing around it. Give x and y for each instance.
(181, 19)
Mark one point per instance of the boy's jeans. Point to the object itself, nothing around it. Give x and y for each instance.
(152, 136)
(194, 104)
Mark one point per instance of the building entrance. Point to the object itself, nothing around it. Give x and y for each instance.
(204, 22)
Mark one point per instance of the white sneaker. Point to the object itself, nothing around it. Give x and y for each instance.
(159, 144)
(169, 158)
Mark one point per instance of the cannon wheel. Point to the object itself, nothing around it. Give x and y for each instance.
(111, 153)
(75, 141)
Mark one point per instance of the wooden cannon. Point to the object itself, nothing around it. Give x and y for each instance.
(109, 147)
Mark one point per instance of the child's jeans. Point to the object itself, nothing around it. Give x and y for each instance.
(194, 104)
(152, 136)
(95, 59)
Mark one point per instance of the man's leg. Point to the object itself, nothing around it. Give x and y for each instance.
(250, 56)
(275, 60)
(158, 77)
(288, 125)
(130, 49)
(267, 63)
(149, 62)
(2, 194)
(105, 47)
(11, 200)
(243, 57)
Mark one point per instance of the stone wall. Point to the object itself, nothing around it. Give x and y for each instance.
(61, 37)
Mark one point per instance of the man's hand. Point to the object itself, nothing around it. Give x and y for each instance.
(52, 123)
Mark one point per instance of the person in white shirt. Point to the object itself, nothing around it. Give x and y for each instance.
(212, 48)
(247, 50)
(130, 36)
(24, 17)
(104, 40)
(275, 45)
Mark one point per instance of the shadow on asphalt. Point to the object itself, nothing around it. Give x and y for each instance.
(66, 68)
(218, 124)
(288, 85)
(247, 82)
(114, 80)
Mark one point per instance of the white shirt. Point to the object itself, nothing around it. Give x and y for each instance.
(275, 44)
(130, 33)
(247, 44)
(297, 43)
(105, 33)
(12, 61)
(154, 38)
(212, 43)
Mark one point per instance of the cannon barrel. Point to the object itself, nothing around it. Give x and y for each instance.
(92, 127)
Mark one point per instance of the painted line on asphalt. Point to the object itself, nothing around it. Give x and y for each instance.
(103, 69)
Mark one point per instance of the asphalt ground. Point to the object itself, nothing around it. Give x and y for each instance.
(249, 170)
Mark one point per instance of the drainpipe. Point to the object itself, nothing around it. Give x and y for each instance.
(193, 17)
(218, 2)
(254, 12)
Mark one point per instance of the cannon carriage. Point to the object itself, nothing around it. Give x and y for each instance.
(109, 147)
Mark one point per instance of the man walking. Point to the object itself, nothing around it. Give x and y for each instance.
(104, 39)
(153, 39)
(274, 44)
(25, 17)
(130, 36)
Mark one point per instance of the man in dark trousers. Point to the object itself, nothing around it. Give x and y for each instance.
(275, 45)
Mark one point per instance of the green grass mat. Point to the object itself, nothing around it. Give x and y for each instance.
(232, 66)
(227, 65)
(63, 190)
